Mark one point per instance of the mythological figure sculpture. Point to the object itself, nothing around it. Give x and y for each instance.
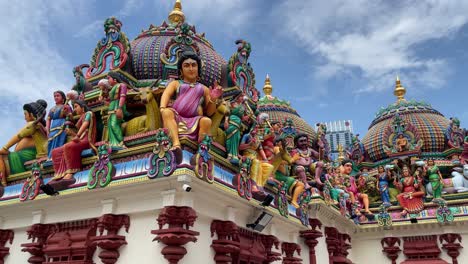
(116, 109)
(194, 102)
(55, 124)
(31, 141)
(435, 178)
(411, 195)
(308, 161)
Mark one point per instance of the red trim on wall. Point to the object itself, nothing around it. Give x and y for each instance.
(338, 245)
(110, 242)
(391, 247)
(422, 249)
(310, 238)
(289, 249)
(5, 236)
(227, 245)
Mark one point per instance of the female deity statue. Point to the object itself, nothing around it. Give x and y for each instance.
(233, 127)
(435, 178)
(251, 147)
(116, 109)
(384, 177)
(410, 197)
(55, 123)
(189, 113)
(105, 87)
(31, 141)
(67, 159)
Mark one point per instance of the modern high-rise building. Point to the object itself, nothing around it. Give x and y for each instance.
(339, 132)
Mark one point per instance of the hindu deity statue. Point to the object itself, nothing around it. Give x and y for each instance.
(352, 187)
(233, 128)
(30, 141)
(411, 195)
(280, 161)
(266, 134)
(260, 169)
(67, 159)
(116, 109)
(308, 162)
(188, 114)
(276, 127)
(401, 143)
(105, 87)
(435, 178)
(55, 123)
(383, 180)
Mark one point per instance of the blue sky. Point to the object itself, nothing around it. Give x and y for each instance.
(332, 60)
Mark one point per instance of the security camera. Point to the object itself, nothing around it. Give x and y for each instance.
(186, 187)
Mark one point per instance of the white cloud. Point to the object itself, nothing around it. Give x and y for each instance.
(30, 67)
(374, 39)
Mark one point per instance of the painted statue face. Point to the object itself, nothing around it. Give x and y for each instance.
(28, 116)
(302, 143)
(348, 167)
(112, 81)
(190, 70)
(430, 162)
(276, 127)
(78, 109)
(58, 98)
(406, 172)
(381, 169)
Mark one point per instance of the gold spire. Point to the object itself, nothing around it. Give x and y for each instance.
(267, 88)
(177, 16)
(399, 91)
(341, 155)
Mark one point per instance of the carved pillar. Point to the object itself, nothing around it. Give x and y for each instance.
(310, 238)
(390, 248)
(5, 236)
(38, 233)
(175, 235)
(111, 242)
(338, 245)
(268, 242)
(451, 245)
(288, 249)
(228, 242)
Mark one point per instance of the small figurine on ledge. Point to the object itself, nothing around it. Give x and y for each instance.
(116, 110)
(31, 142)
(55, 123)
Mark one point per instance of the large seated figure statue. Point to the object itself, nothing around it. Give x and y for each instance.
(308, 162)
(67, 159)
(188, 114)
(30, 141)
(55, 123)
(352, 187)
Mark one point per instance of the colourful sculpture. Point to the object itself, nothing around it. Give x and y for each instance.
(281, 157)
(115, 44)
(81, 84)
(188, 114)
(411, 195)
(240, 72)
(459, 179)
(116, 110)
(454, 134)
(308, 162)
(162, 161)
(401, 137)
(383, 181)
(31, 186)
(352, 187)
(102, 171)
(67, 159)
(30, 141)
(233, 128)
(56, 122)
(203, 161)
(147, 122)
(435, 179)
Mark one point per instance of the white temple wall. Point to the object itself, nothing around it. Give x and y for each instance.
(16, 256)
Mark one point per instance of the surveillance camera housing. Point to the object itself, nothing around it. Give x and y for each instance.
(186, 187)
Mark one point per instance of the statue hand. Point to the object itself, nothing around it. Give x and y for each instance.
(76, 139)
(119, 114)
(226, 125)
(216, 91)
(4, 151)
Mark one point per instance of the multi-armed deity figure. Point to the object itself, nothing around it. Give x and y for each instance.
(30, 141)
(308, 162)
(67, 159)
(55, 124)
(188, 115)
(411, 195)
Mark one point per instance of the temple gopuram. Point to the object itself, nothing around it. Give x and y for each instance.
(163, 151)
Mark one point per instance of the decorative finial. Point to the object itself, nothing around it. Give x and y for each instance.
(267, 88)
(177, 16)
(341, 155)
(399, 91)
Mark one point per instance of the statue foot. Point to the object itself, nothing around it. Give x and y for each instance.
(56, 177)
(68, 176)
(368, 212)
(295, 204)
